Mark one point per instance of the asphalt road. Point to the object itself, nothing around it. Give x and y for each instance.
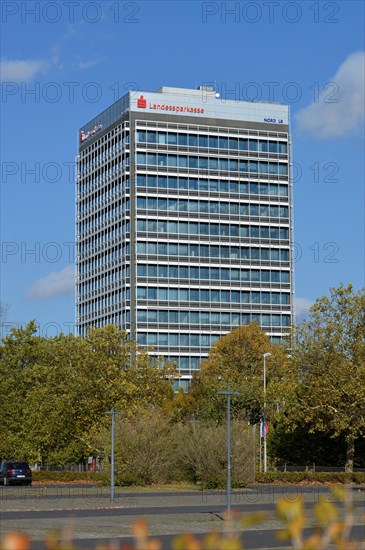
(93, 519)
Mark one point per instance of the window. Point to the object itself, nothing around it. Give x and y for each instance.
(182, 162)
(151, 137)
(203, 141)
(182, 139)
(213, 142)
(233, 143)
(162, 160)
(223, 143)
(141, 136)
(172, 139)
(172, 160)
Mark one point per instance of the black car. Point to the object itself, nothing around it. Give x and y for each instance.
(15, 472)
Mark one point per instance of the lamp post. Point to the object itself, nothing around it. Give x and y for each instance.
(113, 412)
(265, 453)
(228, 393)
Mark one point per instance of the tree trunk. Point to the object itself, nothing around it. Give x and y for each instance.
(350, 452)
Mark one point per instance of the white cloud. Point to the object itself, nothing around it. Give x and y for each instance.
(57, 282)
(87, 64)
(301, 306)
(339, 110)
(21, 70)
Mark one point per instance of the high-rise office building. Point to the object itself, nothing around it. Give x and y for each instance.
(184, 220)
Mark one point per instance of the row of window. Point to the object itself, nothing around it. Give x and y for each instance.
(212, 185)
(211, 207)
(109, 319)
(212, 163)
(185, 363)
(108, 193)
(103, 259)
(101, 216)
(212, 273)
(101, 176)
(203, 318)
(213, 251)
(202, 340)
(186, 205)
(111, 277)
(102, 302)
(103, 238)
(213, 142)
(100, 193)
(211, 295)
(214, 229)
(181, 272)
(102, 153)
(188, 250)
(176, 340)
(109, 170)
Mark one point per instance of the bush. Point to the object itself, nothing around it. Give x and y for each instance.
(203, 454)
(149, 450)
(144, 451)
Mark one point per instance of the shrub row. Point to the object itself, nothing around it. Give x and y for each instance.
(269, 477)
(67, 477)
(316, 477)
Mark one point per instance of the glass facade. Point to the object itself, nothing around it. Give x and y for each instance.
(184, 228)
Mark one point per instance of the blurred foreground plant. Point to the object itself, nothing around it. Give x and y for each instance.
(331, 528)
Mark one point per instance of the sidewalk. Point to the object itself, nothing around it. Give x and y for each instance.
(89, 513)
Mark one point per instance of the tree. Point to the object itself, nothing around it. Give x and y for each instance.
(56, 390)
(237, 359)
(19, 352)
(329, 351)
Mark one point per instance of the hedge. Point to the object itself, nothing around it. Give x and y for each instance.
(315, 477)
(67, 477)
(269, 477)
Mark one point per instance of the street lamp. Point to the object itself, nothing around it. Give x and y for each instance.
(228, 393)
(265, 453)
(113, 412)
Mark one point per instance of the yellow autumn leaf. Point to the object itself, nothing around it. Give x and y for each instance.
(325, 512)
(253, 518)
(230, 544)
(287, 511)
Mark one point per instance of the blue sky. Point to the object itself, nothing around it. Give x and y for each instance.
(64, 62)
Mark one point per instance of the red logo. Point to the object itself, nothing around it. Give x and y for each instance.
(141, 102)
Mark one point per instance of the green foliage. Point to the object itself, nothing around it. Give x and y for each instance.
(181, 407)
(55, 391)
(18, 354)
(301, 446)
(237, 359)
(329, 352)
